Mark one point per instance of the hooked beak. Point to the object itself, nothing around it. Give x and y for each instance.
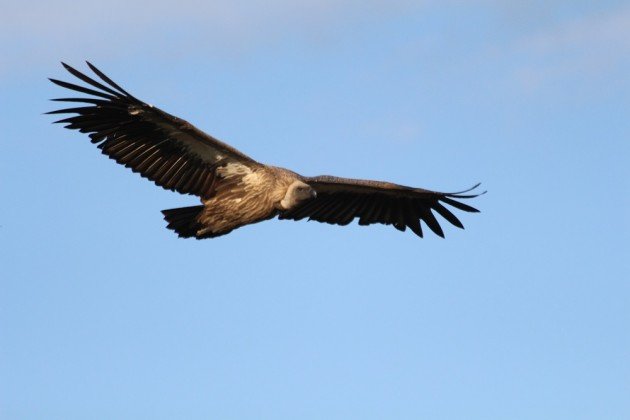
(313, 194)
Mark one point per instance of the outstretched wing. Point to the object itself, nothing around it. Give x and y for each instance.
(340, 200)
(166, 149)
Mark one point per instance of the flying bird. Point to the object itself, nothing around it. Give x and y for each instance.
(234, 189)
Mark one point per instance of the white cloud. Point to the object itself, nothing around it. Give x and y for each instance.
(549, 47)
(593, 46)
(611, 30)
(43, 30)
(242, 16)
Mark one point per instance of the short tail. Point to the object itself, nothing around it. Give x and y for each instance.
(184, 220)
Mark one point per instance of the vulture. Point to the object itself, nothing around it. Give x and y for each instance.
(234, 189)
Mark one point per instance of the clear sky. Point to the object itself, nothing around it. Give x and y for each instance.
(106, 314)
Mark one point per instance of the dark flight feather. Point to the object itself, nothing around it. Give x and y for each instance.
(390, 204)
(144, 138)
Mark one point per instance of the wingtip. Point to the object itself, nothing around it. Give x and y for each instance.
(475, 187)
(461, 194)
(109, 81)
(92, 67)
(466, 190)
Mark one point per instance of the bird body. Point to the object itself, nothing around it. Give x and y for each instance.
(248, 195)
(234, 189)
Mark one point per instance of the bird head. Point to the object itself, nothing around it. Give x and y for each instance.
(297, 193)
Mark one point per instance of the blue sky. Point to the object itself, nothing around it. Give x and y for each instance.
(524, 315)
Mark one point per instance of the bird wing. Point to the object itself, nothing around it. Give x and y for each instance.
(163, 148)
(340, 200)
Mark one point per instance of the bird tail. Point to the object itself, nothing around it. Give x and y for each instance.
(184, 220)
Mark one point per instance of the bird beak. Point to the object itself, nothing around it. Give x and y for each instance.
(313, 194)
